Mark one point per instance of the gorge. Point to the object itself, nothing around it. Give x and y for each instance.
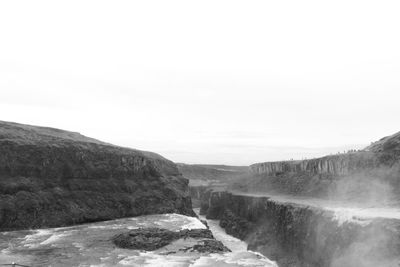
(338, 210)
(70, 200)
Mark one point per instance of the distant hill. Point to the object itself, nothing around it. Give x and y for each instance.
(204, 174)
(387, 144)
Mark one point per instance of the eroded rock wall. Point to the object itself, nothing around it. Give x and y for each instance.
(298, 235)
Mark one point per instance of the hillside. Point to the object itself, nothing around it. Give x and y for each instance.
(388, 144)
(211, 174)
(50, 177)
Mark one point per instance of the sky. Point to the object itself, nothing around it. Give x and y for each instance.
(223, 82)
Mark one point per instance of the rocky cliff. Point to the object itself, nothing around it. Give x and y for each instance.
(51, 177)
(317, 212)
(302, 235)
(384, 152)
(349, 175)
(336, 165)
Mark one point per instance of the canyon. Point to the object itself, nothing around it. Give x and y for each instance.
(338, 210)
(70, 200)
(304, 232)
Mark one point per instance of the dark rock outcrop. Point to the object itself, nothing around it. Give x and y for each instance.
(50, 177)
(300, 235)
(210, 246)
(150, 239)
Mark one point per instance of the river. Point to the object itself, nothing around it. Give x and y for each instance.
(90, 245)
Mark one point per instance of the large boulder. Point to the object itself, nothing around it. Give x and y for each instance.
(150, 239)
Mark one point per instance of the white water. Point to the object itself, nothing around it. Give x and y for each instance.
(90, 245)
(233, 243)
(239, 254)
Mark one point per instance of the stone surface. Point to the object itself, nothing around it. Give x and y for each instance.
(210, 246)
(150, 239)
(50, 177)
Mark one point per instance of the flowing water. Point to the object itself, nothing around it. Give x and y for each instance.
(90, 245)
(237, 246)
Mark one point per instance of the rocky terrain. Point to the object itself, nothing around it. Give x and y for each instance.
(50, 177)
(150, 239)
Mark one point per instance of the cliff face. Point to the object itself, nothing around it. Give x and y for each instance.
(329, 232)
(50, 177)
(337, 165)
(341, 176)
(300, 235)
(384, 152)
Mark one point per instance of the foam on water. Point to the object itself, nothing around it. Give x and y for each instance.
(113, 226)
(154, 259)
(239, 256)
(31, 240)
(90, 245)
(233, 243)
(230, 259)
(189, 222)
(54, 238)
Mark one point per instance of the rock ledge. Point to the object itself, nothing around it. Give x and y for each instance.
(150, 239)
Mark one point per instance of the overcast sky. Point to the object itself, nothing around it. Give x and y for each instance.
(233, 82)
